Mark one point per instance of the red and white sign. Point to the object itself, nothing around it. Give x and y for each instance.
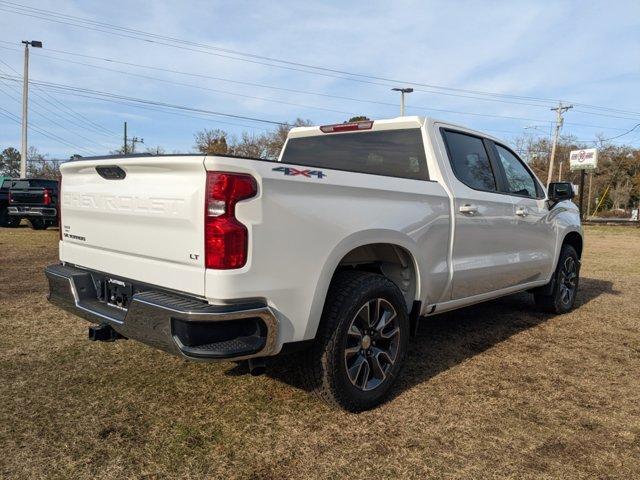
(586, 159)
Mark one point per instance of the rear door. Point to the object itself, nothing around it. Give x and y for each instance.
(136, 218)
(483, 252)
(535, 235)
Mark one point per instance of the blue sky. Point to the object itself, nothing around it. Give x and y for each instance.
(584, 52)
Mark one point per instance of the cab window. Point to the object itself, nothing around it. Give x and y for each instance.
(470, 161)
(519, 180)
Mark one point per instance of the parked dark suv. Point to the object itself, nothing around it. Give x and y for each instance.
(36, 200)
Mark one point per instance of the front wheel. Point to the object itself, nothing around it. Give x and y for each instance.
(560, 295)
(361, 342)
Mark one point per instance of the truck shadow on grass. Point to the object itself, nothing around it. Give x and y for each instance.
(446, 340)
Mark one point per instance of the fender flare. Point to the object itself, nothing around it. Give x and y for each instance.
(346, 245)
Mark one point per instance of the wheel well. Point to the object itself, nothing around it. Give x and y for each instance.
(575, 240)
(390, 260)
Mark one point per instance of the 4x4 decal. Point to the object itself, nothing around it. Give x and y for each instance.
(305, 173)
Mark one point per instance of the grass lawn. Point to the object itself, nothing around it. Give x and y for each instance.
(492, 391)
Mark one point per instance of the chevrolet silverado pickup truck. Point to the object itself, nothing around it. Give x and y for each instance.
(35, 199)
(334, 251)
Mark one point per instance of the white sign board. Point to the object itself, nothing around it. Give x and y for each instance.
(586, 159)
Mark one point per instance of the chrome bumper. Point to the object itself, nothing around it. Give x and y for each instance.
(180, 325)
(32, 211)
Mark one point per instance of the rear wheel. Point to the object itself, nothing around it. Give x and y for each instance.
(361, 342)
(560, 295)
(38, 223)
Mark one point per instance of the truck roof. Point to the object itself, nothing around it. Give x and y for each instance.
(382, 124)
(413, 121)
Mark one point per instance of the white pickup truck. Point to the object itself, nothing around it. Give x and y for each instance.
(334, 251)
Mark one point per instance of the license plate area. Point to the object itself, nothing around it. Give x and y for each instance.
(117, 293)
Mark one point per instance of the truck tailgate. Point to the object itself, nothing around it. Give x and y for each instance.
(147, 226)
(28, 196)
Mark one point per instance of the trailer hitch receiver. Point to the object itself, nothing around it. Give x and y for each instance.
(103, 333)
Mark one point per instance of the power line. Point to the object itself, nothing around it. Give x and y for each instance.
(147, 77)
(126, 32)
(238, 82)
(99, 94)
(55, 122)
(606, 115)
(46, 118)
(617, 136)
(52, 100)
(306, 92)
(163, 110)
(56, 113)
(413, 107)
(43, 132)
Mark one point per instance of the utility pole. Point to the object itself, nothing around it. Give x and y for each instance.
(560, 170)
(589, 195)
(402, 92)
(134, 140)
(25, 105)
(124, 149)
(560, 110)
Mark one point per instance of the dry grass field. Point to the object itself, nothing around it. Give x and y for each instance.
(493, 391)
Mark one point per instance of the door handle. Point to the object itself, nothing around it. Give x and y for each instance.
(468, 209)
(522, 212)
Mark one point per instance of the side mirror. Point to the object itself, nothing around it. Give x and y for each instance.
(559, 191)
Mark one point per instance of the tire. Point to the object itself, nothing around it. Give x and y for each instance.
(7, 220)
(38, 223)
(559, 295)
(13, 222)
(357, 328)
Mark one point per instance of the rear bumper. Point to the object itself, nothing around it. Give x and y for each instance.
(177, 324)
(25, 211)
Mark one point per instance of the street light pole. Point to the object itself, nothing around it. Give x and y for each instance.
(25, 105)
(402, 92)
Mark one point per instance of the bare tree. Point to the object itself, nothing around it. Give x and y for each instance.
(276, 138)
(617, 180)
(212, 142)
(157, 150)
(265, 145)
(38, 165)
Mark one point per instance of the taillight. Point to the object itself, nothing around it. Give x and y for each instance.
(225, 238)
(10, 197)
(47, 196)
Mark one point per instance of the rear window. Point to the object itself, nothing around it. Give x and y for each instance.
(34, 183)
(393, 153)
(20, 184)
